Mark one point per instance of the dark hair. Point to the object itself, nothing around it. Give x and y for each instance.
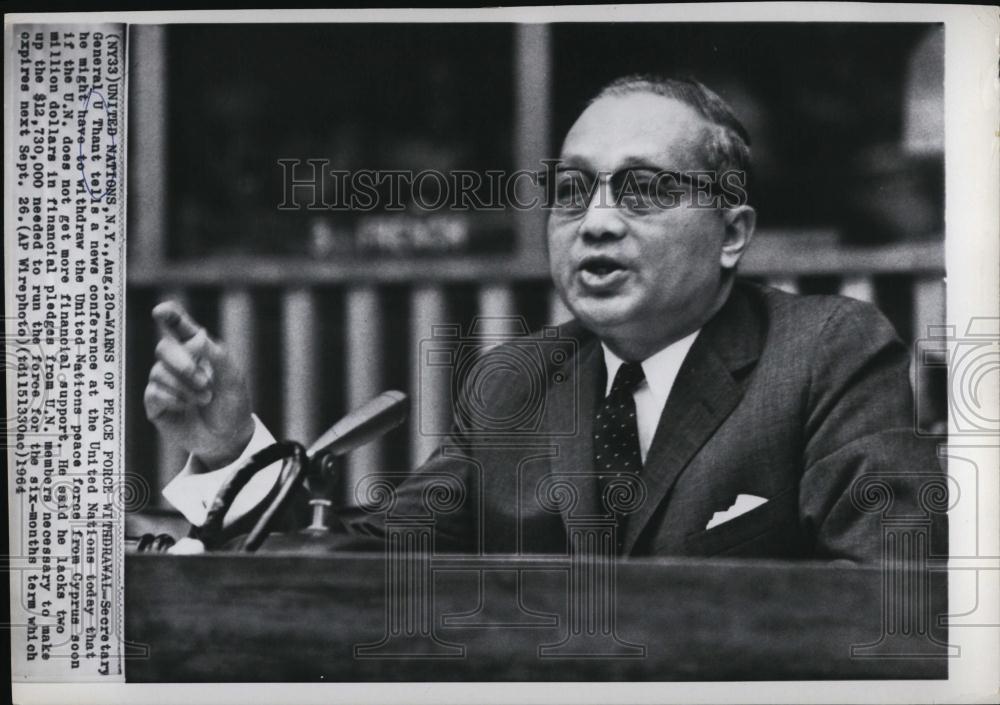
(727, 147)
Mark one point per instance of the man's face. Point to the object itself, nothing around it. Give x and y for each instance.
(648, 274)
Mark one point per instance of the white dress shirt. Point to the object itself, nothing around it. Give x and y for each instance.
(191, 492)
(660, 370)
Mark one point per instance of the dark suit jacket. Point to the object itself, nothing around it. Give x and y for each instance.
(803, 400)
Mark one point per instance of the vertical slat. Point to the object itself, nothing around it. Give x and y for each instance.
(558, 313)
(789, 284)
(496, 309)
(496, 301)
(169, 458)
(300, 365)
(928, 313)
(858, 286)
(238, 330)
(147, 173)
(431, 406)
(923, 101)
(928, 305)
(364, 372)
(147, 182)
(532, 124)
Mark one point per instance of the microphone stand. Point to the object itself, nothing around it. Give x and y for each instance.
(317, 465)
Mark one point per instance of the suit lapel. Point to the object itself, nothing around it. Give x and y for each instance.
(575, 456)
(703, 396)
(708, 387)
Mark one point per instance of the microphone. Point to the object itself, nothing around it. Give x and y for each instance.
(363, 425)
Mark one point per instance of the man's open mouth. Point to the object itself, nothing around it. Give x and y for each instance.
(601, 274)
(601, 265)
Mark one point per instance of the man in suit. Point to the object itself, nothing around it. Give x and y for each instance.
(751, 422)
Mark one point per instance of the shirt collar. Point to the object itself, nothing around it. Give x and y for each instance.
(660, 369)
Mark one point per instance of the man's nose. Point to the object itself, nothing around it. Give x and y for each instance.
(602, 220)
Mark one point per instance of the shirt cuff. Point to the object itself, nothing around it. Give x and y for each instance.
(191, 492)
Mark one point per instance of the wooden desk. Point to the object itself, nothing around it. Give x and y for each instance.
(282, 617)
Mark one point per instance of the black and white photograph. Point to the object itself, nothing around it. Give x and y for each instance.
(494, 350)
(652, 306)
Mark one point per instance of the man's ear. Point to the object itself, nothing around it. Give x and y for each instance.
(739, 223)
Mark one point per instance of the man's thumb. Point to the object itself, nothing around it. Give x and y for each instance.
(206, 351)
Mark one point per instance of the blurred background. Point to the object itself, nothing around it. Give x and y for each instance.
(325, 309)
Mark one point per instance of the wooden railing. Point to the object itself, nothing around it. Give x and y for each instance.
(319, 338)
(670, 620)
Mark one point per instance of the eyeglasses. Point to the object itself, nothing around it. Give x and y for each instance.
(639, 191)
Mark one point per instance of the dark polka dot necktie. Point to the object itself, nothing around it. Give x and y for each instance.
(616, 438)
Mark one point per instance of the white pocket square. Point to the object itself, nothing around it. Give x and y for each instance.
(743, 504)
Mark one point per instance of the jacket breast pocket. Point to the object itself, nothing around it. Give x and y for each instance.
(778, 517)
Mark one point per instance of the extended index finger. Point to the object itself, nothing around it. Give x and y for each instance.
(174, 321)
